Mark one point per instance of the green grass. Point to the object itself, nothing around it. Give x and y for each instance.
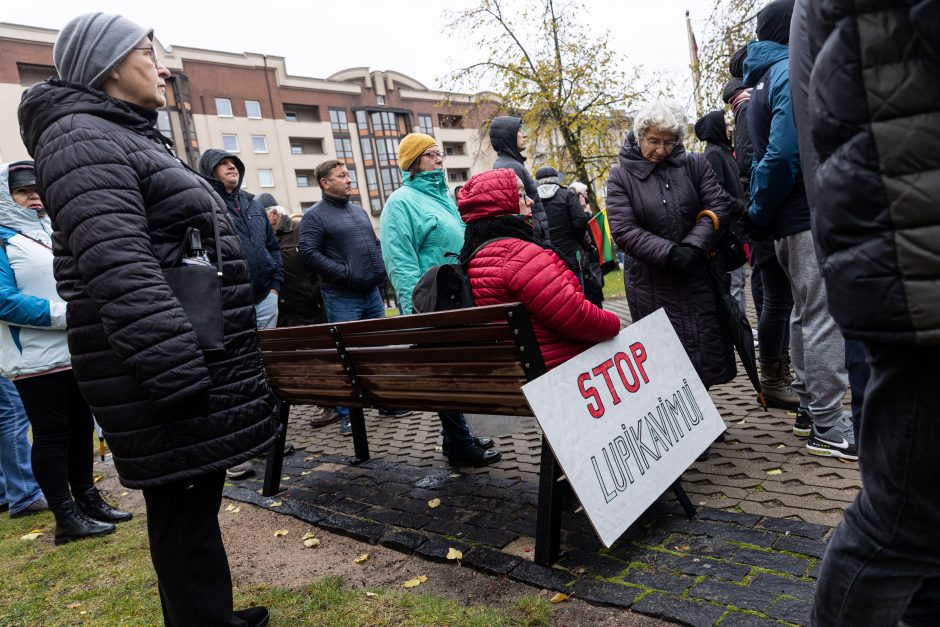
(110, 581)
(613, 285)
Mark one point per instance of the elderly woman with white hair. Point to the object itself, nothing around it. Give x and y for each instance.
(654, 197)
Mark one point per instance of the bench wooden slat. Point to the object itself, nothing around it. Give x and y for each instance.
(496, 352)
(309, 368)
(460, 335)
(377, 385)
(453, 368)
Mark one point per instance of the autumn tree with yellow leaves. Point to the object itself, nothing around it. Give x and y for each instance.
(563, 80)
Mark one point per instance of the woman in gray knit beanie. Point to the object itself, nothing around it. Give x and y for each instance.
(175, 413)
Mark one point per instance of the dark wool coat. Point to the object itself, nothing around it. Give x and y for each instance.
(513, 270)
(504, 130)
(120, 203)
(652, 208)
(711, 128)
(567, 221)
(874, 115)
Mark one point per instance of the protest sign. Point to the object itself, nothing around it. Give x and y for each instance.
(625, 418)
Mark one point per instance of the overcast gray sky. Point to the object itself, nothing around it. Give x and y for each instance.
(319, 38)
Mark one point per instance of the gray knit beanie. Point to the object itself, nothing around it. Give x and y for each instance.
(91, 45)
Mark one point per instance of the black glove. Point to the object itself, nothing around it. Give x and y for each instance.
(754, 232)
(684, 259)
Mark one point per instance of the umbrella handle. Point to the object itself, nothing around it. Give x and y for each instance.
(708, 213)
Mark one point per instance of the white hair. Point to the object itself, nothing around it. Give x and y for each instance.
(664, 115)
(579, 187)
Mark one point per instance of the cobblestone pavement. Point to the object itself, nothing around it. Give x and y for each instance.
(766, 510)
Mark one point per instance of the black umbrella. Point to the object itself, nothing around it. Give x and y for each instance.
(736, 325)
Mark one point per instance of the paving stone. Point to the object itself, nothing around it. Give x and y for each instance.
(700, 566)
(492, 537)
(803, 546)
(540, 576)
(720, 515)
(364, 530)
(490, 561)
(814, 571)
(791, 610)
(740, 619)
(796, 527)
(676, 584)
(238, 493)
(773, 561)
(604, 593)
(594, 563)
(732, 594)
(397, 518)
(404, 540)
(348, 506)
(702, 546)
(491, 520)
(522, 526)
(685, 611)
(721, 531)
(436, 548)
(777, 585)
(306, 512)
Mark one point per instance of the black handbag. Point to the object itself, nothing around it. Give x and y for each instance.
(199, 291)
(727, 253)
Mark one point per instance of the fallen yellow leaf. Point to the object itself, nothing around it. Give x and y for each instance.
(236, 510)
(304, 473)
(73, 605)
(276, 503)
(32, 535)
(775, 471)
(558, 598)
(371, 594)
(362, 558)
(417, 581)
(280, 532)
(309, 535)
(434, 503)
(454, 554)
(682, 548)
(229, 507)
(285, 477)
(123, 493)
(311, 543)
(98, 478)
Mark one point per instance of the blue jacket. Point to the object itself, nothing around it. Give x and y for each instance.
(259, 243)
(32, 315)
(778, 197)
(338, 243)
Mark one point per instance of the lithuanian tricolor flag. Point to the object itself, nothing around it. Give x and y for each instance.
(600, 231)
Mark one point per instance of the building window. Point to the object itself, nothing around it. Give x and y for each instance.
(366, 144)
(306, 146)
(266, 178)
(163, 123)
(454, 149)
(376, 206)
(230, 142)
(391, 180)
(301, 113)
(223, 107)
(303, 180)
(380, 100)
(259, 143)
(372, 180)
(362, 120)
(450, 121)
(290, 116)
(343, 148)
(354, 178)
(338, 121)
(458, 175)
(384, 121)
(253, 109)
(306, 205)
(296, 149)
(30, 74)
(426, 124)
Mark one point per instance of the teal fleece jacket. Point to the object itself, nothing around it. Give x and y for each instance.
(419, 226)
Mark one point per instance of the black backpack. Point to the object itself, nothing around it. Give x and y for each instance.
(445, 287)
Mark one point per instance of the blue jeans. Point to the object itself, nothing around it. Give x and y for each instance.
(883, 562)
(266, 312)
(18, 487)
(347, 305)
(856, 362)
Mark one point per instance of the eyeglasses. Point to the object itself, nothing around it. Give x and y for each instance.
(655, 144)
(151, 53)
(433, 154)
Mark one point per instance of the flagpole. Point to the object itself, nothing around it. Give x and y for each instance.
(696, 68)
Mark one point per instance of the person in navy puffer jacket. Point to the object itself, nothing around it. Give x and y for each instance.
(517, 268)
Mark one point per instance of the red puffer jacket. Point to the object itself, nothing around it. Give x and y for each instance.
(513, 270)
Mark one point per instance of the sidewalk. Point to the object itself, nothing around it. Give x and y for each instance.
(749, 558)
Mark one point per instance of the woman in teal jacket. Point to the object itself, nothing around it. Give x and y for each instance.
(420, 224)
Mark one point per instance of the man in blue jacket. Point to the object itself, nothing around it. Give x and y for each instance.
(338, 243)
(779, 206)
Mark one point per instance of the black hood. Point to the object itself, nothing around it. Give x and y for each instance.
(731, 88)
(736, 65)
(213, 157)
(711, 128)
(773, 21)
(503, 132)
(45, 103)
(633, 161)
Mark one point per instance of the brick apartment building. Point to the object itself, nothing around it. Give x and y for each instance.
(281, 126)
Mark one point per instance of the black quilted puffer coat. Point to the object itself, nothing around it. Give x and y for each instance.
(875, 118)
(120, 203)
(652, 208)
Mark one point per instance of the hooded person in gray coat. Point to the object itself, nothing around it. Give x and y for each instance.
(509, 140)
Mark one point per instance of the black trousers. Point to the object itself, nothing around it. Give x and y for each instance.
(63, 431)
(187, 552)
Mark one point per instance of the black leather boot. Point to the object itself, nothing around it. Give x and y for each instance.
(93, 506)
(72, 524)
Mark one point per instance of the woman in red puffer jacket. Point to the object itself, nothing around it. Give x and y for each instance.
(516, 268)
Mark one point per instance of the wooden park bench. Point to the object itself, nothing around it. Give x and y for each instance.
(469, 360)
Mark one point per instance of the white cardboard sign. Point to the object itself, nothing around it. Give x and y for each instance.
(625, 418)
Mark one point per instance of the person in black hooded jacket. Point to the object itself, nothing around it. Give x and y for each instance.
(509, 140)
(121, 203)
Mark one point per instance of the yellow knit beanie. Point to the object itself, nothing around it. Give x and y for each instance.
(411, 147)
